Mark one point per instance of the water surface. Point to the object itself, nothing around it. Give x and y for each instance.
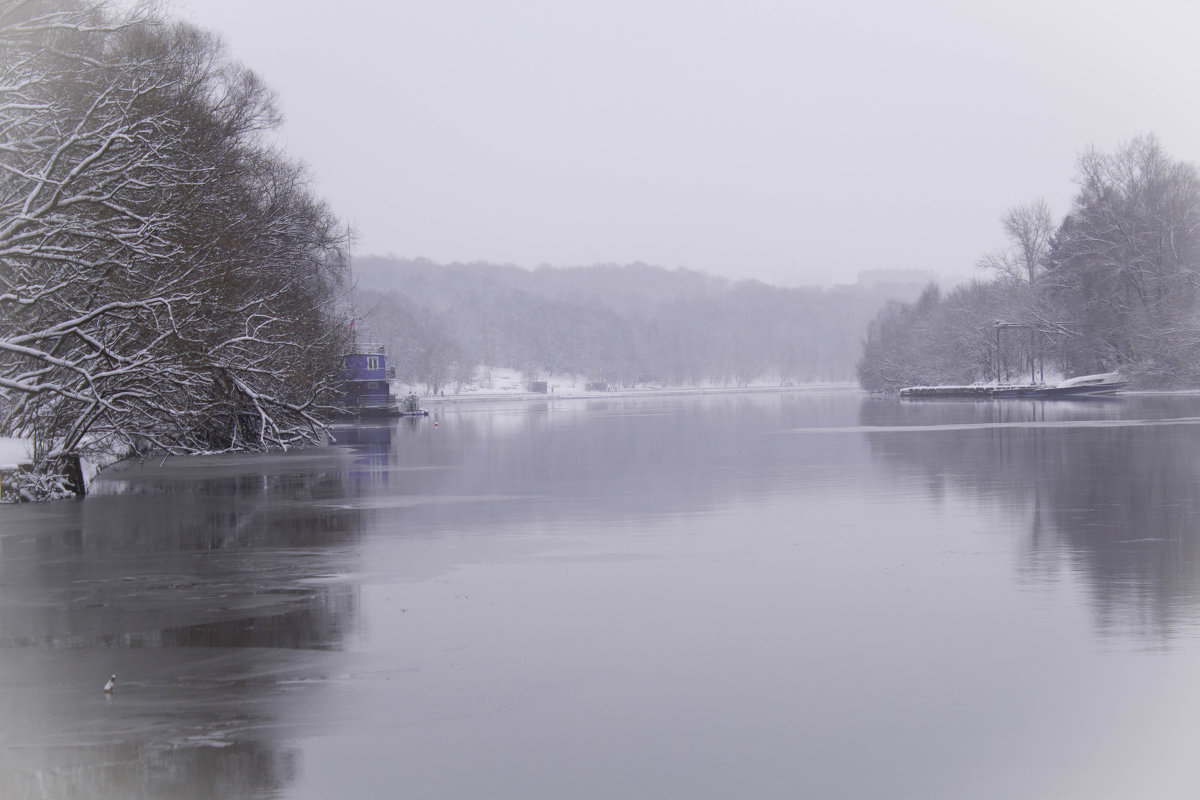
(808, 594)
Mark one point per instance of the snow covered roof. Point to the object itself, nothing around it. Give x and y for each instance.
(15, 451)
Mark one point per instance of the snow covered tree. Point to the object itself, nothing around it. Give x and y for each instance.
(1125, 265)
(166, 279)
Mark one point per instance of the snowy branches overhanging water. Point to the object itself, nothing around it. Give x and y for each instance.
(167, 280)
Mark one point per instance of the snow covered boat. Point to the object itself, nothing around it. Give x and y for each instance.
(1100, 385)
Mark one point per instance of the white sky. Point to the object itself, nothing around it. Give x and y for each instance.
(793, 142)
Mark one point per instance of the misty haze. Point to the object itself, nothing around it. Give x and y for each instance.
(653, 400)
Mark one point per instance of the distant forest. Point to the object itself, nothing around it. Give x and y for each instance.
(622, 324)
(1113, 285)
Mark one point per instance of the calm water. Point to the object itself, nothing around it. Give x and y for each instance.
(813, 594)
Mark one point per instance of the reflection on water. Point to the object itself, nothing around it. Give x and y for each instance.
(178, 577)
(796, 594)
(1104, 489)
(622, 458)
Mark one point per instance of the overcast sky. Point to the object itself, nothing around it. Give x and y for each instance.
(792, 142)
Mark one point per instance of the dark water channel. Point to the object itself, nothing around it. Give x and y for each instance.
(813, 594)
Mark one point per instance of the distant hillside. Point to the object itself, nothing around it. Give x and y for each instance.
(625, 324)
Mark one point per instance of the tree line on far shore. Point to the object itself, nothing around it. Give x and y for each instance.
(168, 280)
(1115, 285)
(623, 325)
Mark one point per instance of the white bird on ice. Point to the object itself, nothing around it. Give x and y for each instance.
(112, 682)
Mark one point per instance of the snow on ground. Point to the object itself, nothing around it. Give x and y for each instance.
(497, 383)
(15, 451)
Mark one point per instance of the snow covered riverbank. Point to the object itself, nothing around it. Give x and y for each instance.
(16, 455)
(18, 482)
(508, 384)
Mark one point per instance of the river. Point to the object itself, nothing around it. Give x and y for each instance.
(778, 595)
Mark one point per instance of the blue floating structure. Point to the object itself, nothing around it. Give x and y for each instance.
(366, 390)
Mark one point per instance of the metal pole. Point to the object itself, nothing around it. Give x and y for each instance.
(1032, 374)
(997, 353)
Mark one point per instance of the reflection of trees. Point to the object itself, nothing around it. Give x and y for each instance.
(218, 580)
(191, 555)
(145, 769)
(1115, 503)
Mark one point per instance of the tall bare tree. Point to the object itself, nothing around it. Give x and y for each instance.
(1029, 228)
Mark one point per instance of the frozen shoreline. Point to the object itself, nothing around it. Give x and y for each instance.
(429, 401)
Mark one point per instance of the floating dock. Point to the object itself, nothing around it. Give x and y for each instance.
(969, 392)
(1103, 385)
